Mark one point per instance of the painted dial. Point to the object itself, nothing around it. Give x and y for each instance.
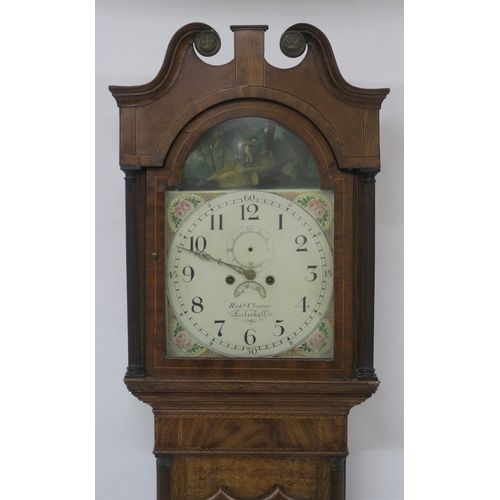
(249, 274)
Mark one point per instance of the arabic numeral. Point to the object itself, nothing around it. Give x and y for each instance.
(312, 275)
(252, 209)
(328, 273)
(199, 244)
(188, 271)
(301, 240)
(251, 350)
(213, 220)
(249, 338)
(302, 304)
(221, 321)
(282, 329)
(196, 305)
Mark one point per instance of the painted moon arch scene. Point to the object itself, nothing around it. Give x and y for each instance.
(250, 153)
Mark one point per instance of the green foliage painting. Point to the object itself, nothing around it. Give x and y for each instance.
(250, 152)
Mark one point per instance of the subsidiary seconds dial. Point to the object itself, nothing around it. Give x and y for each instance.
(250, 274)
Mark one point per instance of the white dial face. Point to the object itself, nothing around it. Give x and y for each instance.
(249, 274)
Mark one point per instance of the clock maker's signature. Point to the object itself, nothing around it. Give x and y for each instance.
(249, 312)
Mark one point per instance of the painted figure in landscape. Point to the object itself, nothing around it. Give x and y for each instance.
(250, 152)
(247, 145)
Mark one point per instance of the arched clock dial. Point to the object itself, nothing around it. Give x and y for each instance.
(250, 274)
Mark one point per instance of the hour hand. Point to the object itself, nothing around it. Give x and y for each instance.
(249, 273)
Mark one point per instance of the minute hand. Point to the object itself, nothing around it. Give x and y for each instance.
(249, 273)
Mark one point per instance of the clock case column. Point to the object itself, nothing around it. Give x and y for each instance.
(163, 477)
(366, 280)
(135, 285)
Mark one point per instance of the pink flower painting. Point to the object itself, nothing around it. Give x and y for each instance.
(320, 210)
(182, 208)
(316, 207)
(179, 212)
(316, 341)
(186, 205)
(312, 205)
(183, 341)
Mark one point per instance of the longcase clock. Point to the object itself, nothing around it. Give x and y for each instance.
(250, 264)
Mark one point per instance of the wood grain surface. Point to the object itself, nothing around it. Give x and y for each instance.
(239, 429)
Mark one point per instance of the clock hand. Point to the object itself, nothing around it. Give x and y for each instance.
(249, 273)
